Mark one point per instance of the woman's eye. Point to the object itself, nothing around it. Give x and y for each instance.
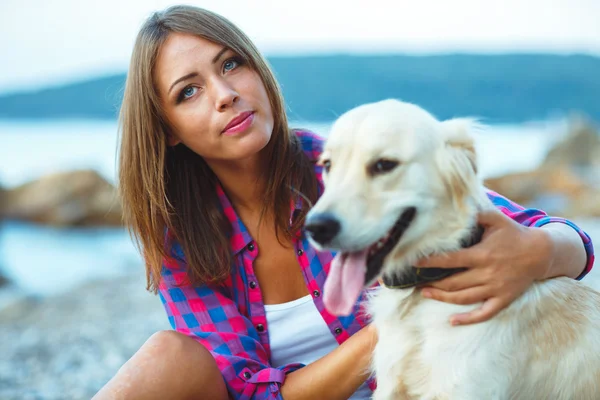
(188, 92)
(230, 64)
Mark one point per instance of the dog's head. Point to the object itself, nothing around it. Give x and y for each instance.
(393, 174)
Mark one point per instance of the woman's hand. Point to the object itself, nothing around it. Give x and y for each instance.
(509, 258)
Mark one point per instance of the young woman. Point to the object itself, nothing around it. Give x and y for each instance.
(215, 188)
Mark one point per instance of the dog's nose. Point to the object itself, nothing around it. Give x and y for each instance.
(322, 228)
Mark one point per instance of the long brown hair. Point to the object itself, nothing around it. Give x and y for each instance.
(172, 188)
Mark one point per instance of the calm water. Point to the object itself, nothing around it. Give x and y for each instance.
(48, 260)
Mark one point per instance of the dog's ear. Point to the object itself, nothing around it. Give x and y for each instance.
(458, 158)
(458, 135)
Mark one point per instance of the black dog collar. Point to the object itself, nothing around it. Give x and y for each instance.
(419, 276)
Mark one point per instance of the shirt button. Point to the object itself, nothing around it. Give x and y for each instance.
(260, 327)
(300, 252)
(316, 293)
(252, 285)
(251, 247)
(247, 375)
(338, 331)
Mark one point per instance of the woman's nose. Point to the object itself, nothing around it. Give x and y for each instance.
(225, 95)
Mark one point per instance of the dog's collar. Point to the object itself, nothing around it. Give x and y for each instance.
(419, 276)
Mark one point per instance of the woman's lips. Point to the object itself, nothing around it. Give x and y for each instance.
(239, 124)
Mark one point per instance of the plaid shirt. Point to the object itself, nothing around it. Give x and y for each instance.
(229, 318)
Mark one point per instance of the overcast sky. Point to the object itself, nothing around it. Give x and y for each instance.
(52, 41)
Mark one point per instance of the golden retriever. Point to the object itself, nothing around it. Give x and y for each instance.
(401, 185)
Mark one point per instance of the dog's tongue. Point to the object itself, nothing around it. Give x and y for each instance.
(345, 281)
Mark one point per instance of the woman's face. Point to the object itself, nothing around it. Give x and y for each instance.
(215, 104)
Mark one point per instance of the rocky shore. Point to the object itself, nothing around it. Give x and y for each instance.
(68, 346)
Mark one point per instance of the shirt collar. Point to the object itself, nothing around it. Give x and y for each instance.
(239, 237)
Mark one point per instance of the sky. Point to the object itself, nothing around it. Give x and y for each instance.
(49, 42)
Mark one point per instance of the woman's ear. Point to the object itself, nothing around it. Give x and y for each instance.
(172, 140)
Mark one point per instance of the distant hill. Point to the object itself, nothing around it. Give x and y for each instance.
(499, 88)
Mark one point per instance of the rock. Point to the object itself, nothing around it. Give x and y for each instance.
(567, 183)
(579, 149)
(2, 201)
(523, 187)
(585, 205)
(77, 198)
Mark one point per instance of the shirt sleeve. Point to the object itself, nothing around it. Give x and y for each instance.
(206, 314)
(536, 218)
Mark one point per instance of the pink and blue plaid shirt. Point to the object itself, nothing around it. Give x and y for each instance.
(229, 318)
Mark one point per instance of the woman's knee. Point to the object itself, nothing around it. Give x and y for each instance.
(184, 352)
(175, 347)
(172, 343)
(168, 364)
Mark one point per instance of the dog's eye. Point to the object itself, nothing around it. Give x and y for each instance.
(326, 164)
(382, 166)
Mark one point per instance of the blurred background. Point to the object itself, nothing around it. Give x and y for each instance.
(73, 305)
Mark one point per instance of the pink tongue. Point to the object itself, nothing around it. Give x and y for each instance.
(345, 281)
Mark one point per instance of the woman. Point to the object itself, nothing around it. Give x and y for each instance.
(215, 189)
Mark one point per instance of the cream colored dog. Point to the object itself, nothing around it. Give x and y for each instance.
(400, 185)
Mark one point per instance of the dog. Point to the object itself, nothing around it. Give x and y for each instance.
(401, 185)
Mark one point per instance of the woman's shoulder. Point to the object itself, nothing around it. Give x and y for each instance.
(311, 142)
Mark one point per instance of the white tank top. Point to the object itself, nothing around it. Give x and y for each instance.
(298, 334)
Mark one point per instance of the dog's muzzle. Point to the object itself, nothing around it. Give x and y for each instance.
(322, 228)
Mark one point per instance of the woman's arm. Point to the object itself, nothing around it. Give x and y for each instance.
(336, 375)
(566, 252)
(566, 238)
(519, 247)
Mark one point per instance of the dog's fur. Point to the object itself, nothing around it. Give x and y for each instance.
(545, 345)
